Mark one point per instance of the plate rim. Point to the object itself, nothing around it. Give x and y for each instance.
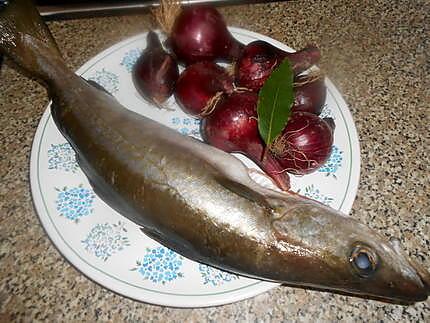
(175, 300)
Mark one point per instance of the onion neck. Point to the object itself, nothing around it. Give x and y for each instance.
(268, 163)
(276, 172)
(303, 59)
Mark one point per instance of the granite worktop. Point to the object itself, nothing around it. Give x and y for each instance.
(376, 52)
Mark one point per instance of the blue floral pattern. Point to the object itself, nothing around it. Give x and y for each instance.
(106, 79)
(62, 157)
(160, 265)
(314, 193)
(74, 203)
(130, 59)
(94, 232)
(215, 277)
(106, 239)
(187, 126)
(333, 163)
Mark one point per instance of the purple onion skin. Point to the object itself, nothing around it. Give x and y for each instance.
(304, 58)
(200, 34)
(155, 72)
(330, 122)
(309, 97)
(255, 64)
(199, 83)
(305, 144)
(259, 58)
(233, 127)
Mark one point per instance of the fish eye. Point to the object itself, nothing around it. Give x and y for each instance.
(364, 260)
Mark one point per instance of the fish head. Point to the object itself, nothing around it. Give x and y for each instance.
(383, 270)
(344, 255)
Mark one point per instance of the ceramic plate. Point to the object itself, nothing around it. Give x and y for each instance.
(110, 249)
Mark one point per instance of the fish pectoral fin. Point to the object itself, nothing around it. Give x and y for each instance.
(242, 184)
(245, 191)
(97, 86)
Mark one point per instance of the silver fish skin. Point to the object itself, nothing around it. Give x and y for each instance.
(201, 201)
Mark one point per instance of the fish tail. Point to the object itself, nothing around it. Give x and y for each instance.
(26, 40)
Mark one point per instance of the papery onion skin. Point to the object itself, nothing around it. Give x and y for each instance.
(155, 72)
(200, 34)
(259, 58)
(233, 127)
(305, 143)
(199, 85)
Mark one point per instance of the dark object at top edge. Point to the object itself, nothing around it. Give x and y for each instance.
(108, 8)
(3, 3)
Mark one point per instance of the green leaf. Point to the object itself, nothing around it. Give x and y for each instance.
(274, 102)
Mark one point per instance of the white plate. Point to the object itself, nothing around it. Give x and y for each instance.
(110, 249)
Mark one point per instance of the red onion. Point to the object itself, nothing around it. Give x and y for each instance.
(155, 72)
(259, 58)
(305, 143)
(309, 94)
(304, 58)
(200, 34)
(233, 127)
(330, 122)
(200, 85)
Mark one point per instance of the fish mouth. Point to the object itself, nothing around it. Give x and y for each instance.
(393, 300)
(418, 292)
(424, 276)
(422, 273)
(397, 300)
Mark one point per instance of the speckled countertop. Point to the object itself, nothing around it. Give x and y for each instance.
(376, 52)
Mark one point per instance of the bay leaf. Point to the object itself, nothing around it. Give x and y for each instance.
(275, 100)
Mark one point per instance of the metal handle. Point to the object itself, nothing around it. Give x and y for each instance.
(68, 11)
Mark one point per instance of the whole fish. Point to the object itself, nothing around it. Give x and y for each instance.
(201, 201)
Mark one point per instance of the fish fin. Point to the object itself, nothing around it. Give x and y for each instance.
(26, 40)
(235, 176)
(244, 190)
(97, 86)
(266, 197)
